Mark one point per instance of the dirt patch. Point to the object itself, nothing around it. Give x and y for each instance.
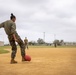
(45, 61)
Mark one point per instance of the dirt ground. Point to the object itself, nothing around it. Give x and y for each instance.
(45, 61)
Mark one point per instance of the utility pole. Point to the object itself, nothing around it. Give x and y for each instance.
(44, 36)
(55, 43)
(54, 36)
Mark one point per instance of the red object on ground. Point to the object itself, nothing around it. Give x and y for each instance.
(27, 58)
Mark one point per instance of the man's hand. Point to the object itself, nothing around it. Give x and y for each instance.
(15, 38)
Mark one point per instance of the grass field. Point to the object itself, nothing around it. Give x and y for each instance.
(2, 50)
(45, 61)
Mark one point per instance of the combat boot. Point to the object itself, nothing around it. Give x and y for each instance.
(23, 59)
(13, 61)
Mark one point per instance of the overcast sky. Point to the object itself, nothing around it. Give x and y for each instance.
(57, 18)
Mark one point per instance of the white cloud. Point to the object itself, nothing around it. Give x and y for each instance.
(37, 16)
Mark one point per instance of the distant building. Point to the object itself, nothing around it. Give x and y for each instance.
(70, 43)
(1, 43)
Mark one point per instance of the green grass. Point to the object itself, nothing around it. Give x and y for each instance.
(2, 50)
(52, 47)
(41, 46)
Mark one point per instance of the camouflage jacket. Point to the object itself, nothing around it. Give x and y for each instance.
(9, 27)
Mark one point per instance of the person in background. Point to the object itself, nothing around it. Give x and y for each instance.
(26, 42)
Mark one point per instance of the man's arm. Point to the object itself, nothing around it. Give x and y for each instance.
(15, 38)
(2, 25)
(13, 30)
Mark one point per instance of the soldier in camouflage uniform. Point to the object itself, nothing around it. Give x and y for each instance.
(26, 42)
(10, 29)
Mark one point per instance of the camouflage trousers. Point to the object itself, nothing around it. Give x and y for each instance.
(26, 45)
(14, 46)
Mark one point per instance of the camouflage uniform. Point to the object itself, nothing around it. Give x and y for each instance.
(10, 29)
(26, 43)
